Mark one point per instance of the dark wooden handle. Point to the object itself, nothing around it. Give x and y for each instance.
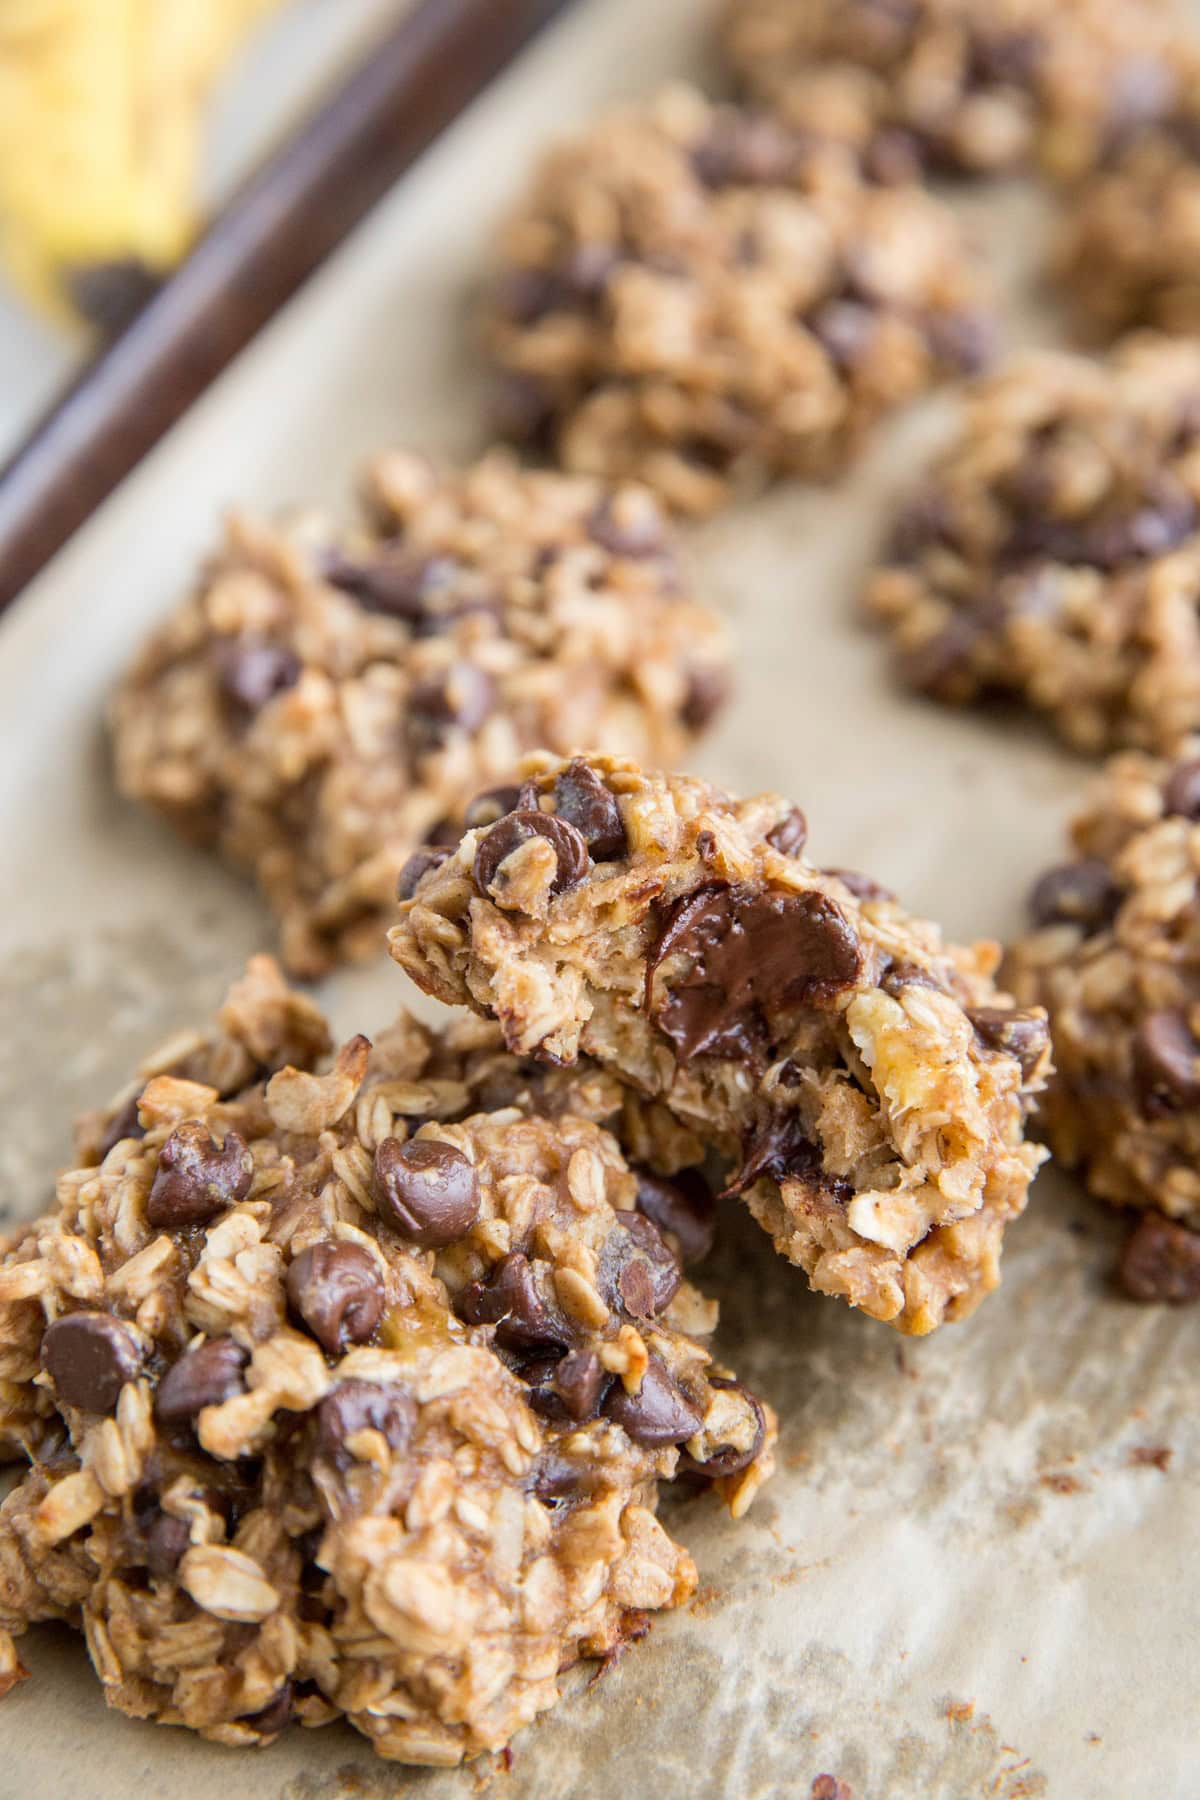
(276, 231)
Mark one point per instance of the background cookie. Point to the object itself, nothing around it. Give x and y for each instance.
(695, 294)
(958, 85)
(1114, 957)
(1129, 253)
(326, 700)
(342, 1397)
(1053, 555)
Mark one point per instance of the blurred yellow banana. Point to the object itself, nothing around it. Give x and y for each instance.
(101, 107)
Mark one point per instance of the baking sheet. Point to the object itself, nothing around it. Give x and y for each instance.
(278, 77)
(969, 1577)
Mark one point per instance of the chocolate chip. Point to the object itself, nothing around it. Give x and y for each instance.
(432, 856)
(863, 887)
(1161, 1262)
(164, 1541)
(126, 1123)
(658, 1414)
(755, 956)
(638, 1273)
(566, 1387)
(1081, 893)
(577, 283)
(274, 1716)
(926, 520)
(429, 1192)
(511, 1300)
(554, 1478)
(586, 272)
(522, 409)
(251, 671)
(460, 699)
(779, 1148)
(844, 329)
(197, 1177)
(396, 584)
(707, 692)
(356, 1406)
(537, 1372)
(901, 975)
(1024, 1036)
(729, 1460)
(89, 1357)
(583, 800)
(941, 665)
(1160, 524)
(628, 524)
(213, 1372)
(1165, 1062)
(337, 1291)
(790, 835)
(489, 806)
(515, 829)
(894, 157)
(745, 150)
(682, 1207)
(1004, 59)
(1181, 792)
(964, 342)
(1151, 530)
(527, 295)
(1187, 419)
(580, 1382)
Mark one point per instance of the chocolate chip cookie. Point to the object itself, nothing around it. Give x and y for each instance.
(1113, 955)
(325, 701)
(1052, 555)
(957, 85)
(342, 1396)
(695, 295)
(1129, 253)
(865, 1083)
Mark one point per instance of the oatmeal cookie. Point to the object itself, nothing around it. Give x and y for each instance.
(1114, 957)
(1053, 554)
(343, 1397)
(866, 1083)
(1129, 253)
(958, 85)
(324, 701)
(692, 294)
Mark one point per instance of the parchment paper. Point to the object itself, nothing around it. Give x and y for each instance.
(967, 1579)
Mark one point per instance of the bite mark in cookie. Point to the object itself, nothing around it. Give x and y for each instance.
(866, 1084)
